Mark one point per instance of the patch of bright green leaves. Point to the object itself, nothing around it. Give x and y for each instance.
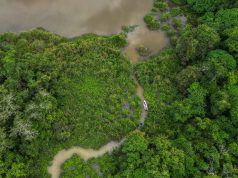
(57, 93)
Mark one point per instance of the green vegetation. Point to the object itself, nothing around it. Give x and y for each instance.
(164, 17)
(192, 89)
(142, 157)
(76, 167)
(143, 51)
(57, 93)
(192, 92)
(151, 22)
(127, 29)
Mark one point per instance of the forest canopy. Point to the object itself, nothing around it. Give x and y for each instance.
(56, 93)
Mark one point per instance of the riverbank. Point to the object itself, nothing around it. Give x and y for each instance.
(86, 154)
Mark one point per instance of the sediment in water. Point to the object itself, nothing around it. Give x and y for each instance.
(86, 154)
(122, 14)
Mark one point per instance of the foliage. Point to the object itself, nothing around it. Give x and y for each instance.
(194, 101)
(163, 16)
(194, 43)
(206, 6)
(59, 93)
(231, 42)
(143, 157)
(56, 93)
(76, 167)
(151, 22)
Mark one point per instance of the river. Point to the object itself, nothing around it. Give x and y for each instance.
(63, 155)
(72, 18)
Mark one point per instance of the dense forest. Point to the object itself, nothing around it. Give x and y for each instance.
(57, 93)
(192, 91)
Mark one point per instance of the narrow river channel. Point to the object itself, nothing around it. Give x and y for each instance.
(63, 155)
(141, 36)
(75, 17)
(86, 154)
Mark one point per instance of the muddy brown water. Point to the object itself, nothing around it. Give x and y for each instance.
(142, 36)
(72, 18)
(63, 155)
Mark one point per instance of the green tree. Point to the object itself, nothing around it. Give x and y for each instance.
(187, 76)
(232, 41)
(201, 6)
(194, 43)
(220, 63)
(220, 102)
(226, 19)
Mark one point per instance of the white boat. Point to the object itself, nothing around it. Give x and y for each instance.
(145, 105)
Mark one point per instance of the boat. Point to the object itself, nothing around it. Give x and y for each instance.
(145, 105)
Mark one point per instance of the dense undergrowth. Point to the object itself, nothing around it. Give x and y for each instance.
(192, 91)
(58, 93)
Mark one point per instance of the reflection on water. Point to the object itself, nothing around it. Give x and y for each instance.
(72, 17)
(75, 17)
(142, 36)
